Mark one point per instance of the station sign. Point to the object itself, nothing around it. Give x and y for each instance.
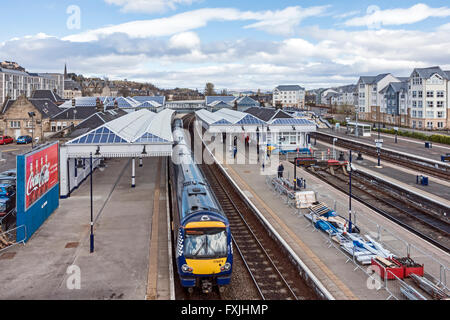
(41, 173)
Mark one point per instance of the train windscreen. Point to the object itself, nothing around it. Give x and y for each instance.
(205, 243)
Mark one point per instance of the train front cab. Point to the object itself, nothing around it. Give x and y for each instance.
(205, 256)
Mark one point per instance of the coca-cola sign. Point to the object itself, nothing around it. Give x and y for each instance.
(41, 173)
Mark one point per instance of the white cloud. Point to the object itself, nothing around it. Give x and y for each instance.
(279, 22)
(188, 40)
(399, 16)
(284, 21)
(149, 6)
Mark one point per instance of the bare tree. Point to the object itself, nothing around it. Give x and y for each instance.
(209, 89)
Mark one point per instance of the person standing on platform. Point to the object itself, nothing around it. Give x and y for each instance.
(280, 170)
(234, 152)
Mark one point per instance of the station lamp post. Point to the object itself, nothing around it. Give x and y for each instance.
(379, 144)
(350, 193)
(334, 148)
(32, 115)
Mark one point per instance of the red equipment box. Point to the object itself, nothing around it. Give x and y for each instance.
(410, 266)
(396, 269)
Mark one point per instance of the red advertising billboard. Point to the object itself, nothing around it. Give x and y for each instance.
(41, 173)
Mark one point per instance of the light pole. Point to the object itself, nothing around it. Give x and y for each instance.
(379, 144)
(396, 132)
(350, 194)
(334, 150)
(92, 213)
(32, 115)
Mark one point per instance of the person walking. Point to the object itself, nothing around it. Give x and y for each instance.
(234, 152)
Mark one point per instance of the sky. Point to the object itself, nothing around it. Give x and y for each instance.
(237, 45)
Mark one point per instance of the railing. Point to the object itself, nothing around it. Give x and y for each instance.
(396, 288)
(8, 238)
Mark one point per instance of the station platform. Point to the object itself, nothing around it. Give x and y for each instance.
(412, 146)
(122, 265)
(328, 264)
(437, 189)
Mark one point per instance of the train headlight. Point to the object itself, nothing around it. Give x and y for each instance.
(226, 267)
(186, 269)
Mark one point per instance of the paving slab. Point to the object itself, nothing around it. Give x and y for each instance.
(119, 266)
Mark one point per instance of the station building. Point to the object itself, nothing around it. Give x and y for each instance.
(271, 129)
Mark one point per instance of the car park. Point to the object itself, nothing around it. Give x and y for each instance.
(6, 140)
(24, 140)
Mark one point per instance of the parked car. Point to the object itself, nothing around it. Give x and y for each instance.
(24, 140)
(8, 191)
(8, 180)
(10, 173)
(6, 140)
(6, 205)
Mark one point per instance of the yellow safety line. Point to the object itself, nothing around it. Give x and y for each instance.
(9, 150)
(153, 262)
(347, 292)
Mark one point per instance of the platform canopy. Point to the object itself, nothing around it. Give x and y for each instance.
(226, 120)
(142, 133)
(288, 124)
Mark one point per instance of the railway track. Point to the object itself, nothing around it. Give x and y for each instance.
(273, 274)
(435, 169)
(392, 205)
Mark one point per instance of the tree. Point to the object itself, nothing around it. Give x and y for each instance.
(124, 92)
(209, 89)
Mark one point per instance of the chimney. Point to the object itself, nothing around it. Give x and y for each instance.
(99, 105)
(73, 102)
(116, 104)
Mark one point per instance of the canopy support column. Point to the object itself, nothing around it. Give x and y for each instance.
(133, 173)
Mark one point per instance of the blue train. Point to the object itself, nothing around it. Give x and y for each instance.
(204, 253)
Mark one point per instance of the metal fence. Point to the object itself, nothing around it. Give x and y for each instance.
(436, 270)
(8, 239)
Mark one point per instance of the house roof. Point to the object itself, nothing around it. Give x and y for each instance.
(47, 94)
(46, 107)
(372, 79)
(426, 73)
(95, 121)
(289, 88)
(77, 113)
(267, 114)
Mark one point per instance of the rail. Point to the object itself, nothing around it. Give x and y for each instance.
(8, 238)
(429, 166)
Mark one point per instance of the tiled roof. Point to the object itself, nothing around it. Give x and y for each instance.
(289, 88)
(267, 114)
(372, 79)
(226, 99)
(46, 94)
(46, 107)
(77, 113)
(426, 73)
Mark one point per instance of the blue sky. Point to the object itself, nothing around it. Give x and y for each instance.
(234, 44)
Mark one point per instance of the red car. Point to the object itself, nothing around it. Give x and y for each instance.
(6, 140)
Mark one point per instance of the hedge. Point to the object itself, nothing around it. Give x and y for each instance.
(438, 138)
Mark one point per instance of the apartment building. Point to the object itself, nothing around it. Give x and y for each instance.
(369, 94)
(428, 98)
(289, 96)
(14, 83)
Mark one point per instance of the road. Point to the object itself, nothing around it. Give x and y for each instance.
(8, 155)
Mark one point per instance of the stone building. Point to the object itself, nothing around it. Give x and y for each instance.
(16, 119)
